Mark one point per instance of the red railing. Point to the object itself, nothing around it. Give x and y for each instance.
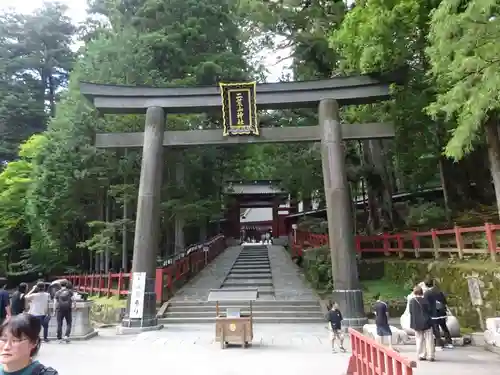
(170, 277)
(370, 358)
(458, 240)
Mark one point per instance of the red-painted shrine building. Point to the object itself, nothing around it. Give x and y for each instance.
(258, 205)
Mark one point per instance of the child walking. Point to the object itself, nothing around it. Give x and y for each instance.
(334, 318)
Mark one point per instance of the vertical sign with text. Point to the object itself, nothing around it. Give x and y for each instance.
(137, 295)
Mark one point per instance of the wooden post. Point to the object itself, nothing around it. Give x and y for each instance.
(110, 281)
(491, 239)
(459, 241)
(400, 246)
(386, 244)
(159, 285)
(416, 244)
(435, 243)
(100, 283)
(120, 283)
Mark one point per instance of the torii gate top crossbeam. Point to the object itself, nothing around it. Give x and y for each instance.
(134, 100)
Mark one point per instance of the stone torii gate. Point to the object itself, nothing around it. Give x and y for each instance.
(157, 102)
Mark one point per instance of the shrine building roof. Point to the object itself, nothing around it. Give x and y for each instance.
(254, 187)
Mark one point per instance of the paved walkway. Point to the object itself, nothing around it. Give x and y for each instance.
(281, 348)
(288, 281)
(211, 277)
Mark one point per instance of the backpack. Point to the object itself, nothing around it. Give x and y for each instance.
(64, 299)
(40, 369)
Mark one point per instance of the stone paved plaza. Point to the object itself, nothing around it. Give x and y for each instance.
(292, 349)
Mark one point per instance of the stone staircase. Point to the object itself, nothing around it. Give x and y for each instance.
(251, 269)
(264, 311)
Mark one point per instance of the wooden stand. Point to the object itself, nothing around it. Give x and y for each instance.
(233, 330)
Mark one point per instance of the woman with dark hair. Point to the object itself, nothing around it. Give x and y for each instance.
(19, 344)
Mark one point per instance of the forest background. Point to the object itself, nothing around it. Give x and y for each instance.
(62, 201)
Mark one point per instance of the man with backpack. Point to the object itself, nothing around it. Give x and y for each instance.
(4, 301)
(439, 315)
(64, 303)
(18, 300)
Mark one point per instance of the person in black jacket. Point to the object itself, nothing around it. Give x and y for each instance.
(438, 304)
(334, 317)
(18, 300)
(382, 322)
(421, 323)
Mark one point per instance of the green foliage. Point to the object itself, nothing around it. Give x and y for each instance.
(70, 183)
(465, 59)
(425, 214)
(35, 58)
(63, 200)
(15, 181)
(385, 36)
(313, 225)
(318, 269)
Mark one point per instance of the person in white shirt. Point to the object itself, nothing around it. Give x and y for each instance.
(39, 306)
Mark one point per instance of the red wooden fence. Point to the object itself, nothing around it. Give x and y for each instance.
(370, 358)
(168, 278)
(458, 240)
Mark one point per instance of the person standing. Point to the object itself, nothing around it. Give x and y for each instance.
(18, 300)
(421, 323)
(64, 302)
(439, 308)
(382, 323)
(334, 317)
(5, 311)
(39, 306)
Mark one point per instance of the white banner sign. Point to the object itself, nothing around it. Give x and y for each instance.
(137, 296)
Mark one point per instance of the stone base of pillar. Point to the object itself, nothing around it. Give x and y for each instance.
(148, 321)
(351, 306)
(125, 330)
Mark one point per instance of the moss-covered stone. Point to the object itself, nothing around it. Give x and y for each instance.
(452, 278)
(404, 274)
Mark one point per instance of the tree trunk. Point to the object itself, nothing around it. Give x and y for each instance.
(388, 161)
(388, 213)
(203, 236)
(306, 202)
(494, 155)
(52, 96)
(179, 219)
(442, 175)
(107, 252)
(373, 217)
(125, 214)
(444, 186)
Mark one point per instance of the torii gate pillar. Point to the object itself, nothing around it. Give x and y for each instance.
(347, 292)
(147, 225)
